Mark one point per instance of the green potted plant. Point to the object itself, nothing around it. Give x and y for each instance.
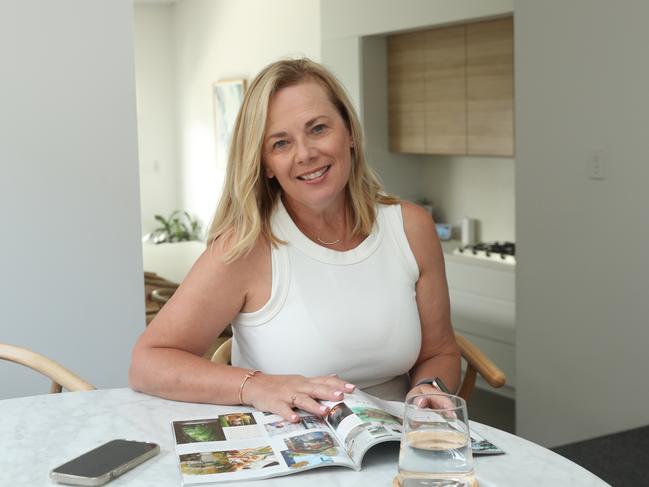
(180, 226)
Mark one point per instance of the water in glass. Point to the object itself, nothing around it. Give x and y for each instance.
(436, 448)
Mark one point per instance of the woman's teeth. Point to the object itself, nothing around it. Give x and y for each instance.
(314, 175)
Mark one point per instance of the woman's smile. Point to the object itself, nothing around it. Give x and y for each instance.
(315, 176)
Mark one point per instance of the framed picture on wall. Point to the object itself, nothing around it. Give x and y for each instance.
(227, 96)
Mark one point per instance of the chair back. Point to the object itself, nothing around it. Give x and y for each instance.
(59, 375)
(476, 363)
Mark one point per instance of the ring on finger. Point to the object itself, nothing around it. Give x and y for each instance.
(293, 398)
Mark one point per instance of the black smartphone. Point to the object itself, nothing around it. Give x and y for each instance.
(104, 463)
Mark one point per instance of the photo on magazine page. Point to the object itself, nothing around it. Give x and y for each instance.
(359, 424)
(231, 426)
(312, 449)
(361, 409)
(284, 426)
(226, 461)
(200, 430)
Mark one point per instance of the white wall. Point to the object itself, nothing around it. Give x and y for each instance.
(156, 108)
(400, 173)
(475, 187)
(583, 275)
(225, 39)
(353, 46)
(70, 253)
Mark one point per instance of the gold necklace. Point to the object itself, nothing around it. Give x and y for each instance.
(328, 243)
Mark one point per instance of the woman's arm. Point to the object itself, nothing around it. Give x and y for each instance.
(167, 360)
(439, 355)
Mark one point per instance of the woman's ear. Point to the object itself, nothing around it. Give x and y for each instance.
(269, 174)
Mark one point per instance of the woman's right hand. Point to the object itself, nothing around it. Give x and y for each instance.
(280, 394)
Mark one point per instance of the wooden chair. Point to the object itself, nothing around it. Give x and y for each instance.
(60, 376)
(476, 363)
(157, 291)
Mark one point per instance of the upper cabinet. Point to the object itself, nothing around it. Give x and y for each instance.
(408, 58)
(451, 90)
(490, 88)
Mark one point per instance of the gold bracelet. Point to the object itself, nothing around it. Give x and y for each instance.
(245, 379)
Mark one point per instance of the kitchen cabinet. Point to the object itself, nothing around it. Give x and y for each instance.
(451, 90)
(490, 88)
(409, 57)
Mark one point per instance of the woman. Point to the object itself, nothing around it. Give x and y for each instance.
(321, 274)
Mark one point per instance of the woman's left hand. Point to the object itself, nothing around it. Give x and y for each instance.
(437, 400)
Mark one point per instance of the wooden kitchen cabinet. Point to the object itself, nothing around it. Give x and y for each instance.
(451, 90)
(445, 88)
(409, 56)
(490, 88)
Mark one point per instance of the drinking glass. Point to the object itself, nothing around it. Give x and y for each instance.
(436, 444)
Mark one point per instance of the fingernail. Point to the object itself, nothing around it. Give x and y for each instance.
(294, 417)
(338, 394)
(323, 409)
(350, 387)
(333, 375)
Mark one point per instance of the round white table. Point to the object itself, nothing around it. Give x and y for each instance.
(39, 433)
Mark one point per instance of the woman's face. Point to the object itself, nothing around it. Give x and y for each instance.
(307, 147)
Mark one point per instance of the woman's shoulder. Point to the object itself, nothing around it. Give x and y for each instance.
(215, 279)
(420, 231)
(212, 269)
(416, 216)
(218, 250)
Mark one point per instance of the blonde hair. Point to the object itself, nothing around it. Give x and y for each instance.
(249, 198)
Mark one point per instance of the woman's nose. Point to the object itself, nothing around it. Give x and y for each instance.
(304, 151)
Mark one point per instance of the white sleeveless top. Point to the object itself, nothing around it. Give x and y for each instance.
(353, 313)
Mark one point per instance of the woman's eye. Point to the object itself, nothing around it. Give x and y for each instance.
(319, 128)
(280, 144)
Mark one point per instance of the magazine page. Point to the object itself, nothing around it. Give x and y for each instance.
(481, 446)
(360, 422)
(253, 445)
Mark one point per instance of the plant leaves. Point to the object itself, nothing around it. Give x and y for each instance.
(178, 227)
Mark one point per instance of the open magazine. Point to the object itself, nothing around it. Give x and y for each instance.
(257, 445)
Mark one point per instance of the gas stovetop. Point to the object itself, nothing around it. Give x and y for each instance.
(495, 251)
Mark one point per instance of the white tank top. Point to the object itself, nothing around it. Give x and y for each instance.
(353, 313)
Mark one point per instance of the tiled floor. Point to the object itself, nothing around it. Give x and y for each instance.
(489, 408)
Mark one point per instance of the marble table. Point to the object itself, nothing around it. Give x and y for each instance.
(39, 433)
